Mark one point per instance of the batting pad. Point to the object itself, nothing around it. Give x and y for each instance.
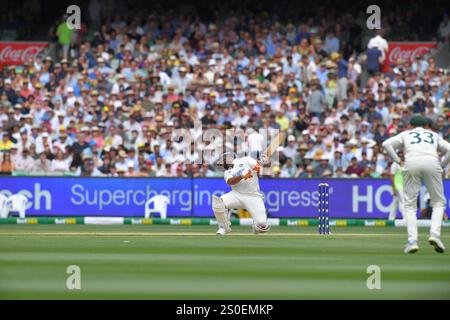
(219, 212)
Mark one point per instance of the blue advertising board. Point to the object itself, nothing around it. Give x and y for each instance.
(61, 196)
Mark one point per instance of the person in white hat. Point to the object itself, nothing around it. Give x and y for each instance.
(41, 141)
(290, 150)
(182, 80)
(130, 169)
(71, 98)
(366, 147)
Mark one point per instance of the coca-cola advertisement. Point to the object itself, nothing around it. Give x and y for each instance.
(406, 51)
(16, 53)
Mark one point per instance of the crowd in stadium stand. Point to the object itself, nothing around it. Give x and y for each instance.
(108, 106)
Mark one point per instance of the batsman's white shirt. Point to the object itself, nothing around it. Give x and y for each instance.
(242, 166)
(245, 194)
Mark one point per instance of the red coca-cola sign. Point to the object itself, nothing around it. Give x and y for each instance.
(16, 53)
(406, 51)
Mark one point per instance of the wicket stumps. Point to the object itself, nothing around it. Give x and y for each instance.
(324, 197)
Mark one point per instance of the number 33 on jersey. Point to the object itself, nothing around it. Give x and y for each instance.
(419, 143)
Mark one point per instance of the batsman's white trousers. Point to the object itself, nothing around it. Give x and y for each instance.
(252, 203)
(399, 202)
(425, 169)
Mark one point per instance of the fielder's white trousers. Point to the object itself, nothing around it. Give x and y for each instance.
(429, 171)
(252, 203)
(399, 202)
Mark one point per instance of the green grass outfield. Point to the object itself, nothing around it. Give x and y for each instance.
(190, 262)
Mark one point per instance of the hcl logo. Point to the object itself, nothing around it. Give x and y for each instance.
(36, 199)
(370, 199)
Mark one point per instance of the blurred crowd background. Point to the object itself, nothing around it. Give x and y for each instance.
(107, 102)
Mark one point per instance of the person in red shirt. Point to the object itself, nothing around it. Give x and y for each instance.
(354, 168)
(25, 90)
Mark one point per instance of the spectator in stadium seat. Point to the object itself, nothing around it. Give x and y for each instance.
(25, 162)
(322, 167)
(89, 169)
(288, 170)
(354, 168)
(308, 173)
(106, 166)
(80, 144)
(42, 164)
(6, 143)
(337, 161)
(420, 104)
(316, 102)
(6, 166)
(381, 134)
(59, 164)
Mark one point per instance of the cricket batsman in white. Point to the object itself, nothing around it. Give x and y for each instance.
(422, 163)
(242, 175)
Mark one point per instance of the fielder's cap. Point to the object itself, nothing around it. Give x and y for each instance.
(418, 121)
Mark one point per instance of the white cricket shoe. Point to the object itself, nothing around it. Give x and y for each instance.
(436, 243)
(411, 247)
(223, 231)
(260, 228)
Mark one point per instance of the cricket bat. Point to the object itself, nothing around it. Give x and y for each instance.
(274, 144)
